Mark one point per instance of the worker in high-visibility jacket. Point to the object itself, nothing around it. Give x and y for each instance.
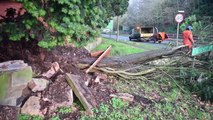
(188, 38)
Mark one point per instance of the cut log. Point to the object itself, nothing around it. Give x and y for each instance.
(82, 92)
(133, 58)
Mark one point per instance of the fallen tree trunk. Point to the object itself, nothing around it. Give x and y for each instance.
(131, 59)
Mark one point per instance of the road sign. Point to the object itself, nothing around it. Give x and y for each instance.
(179, 18)
(199, 50)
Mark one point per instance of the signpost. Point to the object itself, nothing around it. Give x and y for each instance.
(202, 49)
(178, 19)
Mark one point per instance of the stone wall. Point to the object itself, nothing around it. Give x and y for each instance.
(94, 44)
(14, 76)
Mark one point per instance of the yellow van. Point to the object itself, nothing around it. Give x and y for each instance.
(147, 34)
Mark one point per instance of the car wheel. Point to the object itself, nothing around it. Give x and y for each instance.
(153, 39)
(140, 39)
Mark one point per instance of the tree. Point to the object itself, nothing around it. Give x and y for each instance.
(57, 22)
(142, 12)
(118, 8)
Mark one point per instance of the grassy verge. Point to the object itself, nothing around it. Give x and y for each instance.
(145, 46)
(168, 101)
(159, 99)
(118, 49)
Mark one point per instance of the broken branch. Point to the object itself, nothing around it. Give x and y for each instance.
(99, 59)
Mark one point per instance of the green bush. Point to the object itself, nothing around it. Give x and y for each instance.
(64, 21)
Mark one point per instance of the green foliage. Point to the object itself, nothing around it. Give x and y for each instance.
(203, 84)
(24, 117)
(55, 118)
(192, 20)
(201, 28)
(64, 110)
(117, 103)
(203, 8)
(29, 117)
(115, 110)
(115, 8)
(77, 19)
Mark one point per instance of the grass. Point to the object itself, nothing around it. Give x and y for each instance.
(173, 103)
(118, 49)
(145, 46)
(176, 97)
(116, 109)
(55, 118)
(64, 110)
(29, 117)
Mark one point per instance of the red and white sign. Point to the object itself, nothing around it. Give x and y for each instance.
(179, 18)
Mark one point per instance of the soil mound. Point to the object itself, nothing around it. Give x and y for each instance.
(41, 60)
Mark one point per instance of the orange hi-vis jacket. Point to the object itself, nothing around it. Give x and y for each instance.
(188, 38)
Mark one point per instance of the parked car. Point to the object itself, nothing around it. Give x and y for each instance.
(106, 30)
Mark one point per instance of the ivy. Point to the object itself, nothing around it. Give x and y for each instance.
(78, 19)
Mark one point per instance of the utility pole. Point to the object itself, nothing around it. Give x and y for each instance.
(117, 37)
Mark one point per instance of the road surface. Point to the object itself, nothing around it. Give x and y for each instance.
(164, 44)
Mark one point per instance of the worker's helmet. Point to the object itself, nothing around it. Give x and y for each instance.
(189, 27)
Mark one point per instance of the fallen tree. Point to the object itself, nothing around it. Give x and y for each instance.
(130, 59)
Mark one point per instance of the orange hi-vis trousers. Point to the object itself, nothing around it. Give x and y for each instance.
(187, 38)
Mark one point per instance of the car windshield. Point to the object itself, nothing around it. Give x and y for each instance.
(146, 30)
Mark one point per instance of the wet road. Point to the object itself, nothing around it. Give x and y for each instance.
(164, 43)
